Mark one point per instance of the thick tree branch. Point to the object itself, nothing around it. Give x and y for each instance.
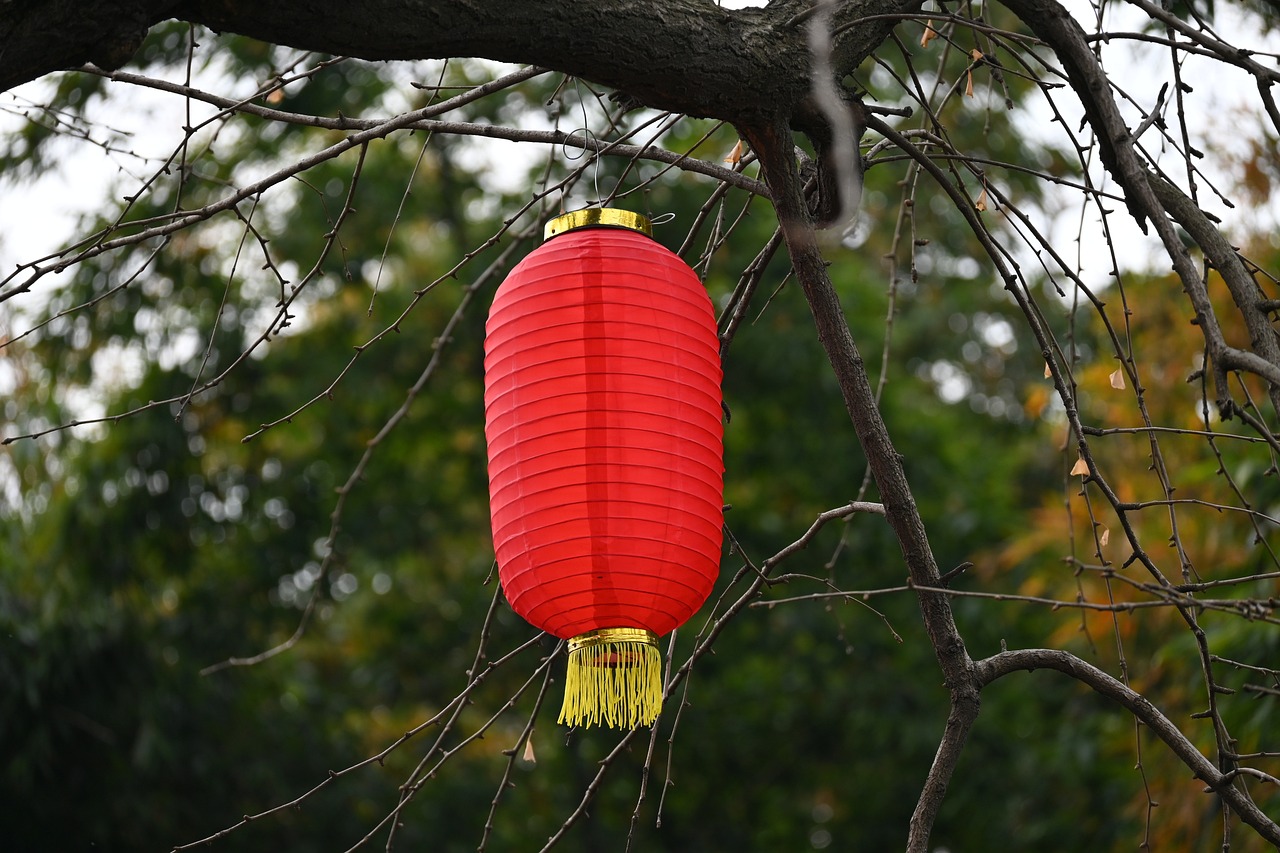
(1002, 664)
(39, 37)
(773, 145)
(686, 56)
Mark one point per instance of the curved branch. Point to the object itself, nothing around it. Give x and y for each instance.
(1220, 783)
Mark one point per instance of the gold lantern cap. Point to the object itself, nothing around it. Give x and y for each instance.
(608, 217)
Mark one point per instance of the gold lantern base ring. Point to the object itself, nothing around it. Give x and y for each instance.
(614, 679)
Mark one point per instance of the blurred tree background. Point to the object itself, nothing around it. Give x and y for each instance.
(146, 558)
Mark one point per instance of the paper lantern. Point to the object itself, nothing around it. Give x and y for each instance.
(603, 423)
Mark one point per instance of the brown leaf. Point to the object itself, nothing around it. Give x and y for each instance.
(528, 752)
(1081, 468)
(735, 156)
(929, 35)
(1117, 379)
(1048, 371)
(976, 55)
(981, 203)
(1104, 537)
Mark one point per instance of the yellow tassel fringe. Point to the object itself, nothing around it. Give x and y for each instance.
(614, 679)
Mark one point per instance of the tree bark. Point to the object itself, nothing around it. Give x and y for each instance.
(689, 56)
(37, 38)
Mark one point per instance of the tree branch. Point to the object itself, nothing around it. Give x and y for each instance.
(1051, 22)
(1264, 360)
(461, 128)
(688, 56)
(773, 145)
(38, 38)
(1002, 664)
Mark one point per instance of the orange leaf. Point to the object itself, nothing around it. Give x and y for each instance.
(929, 35)
(735, 156)
(1081, 468)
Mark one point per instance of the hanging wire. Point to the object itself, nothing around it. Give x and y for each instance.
(592, 147)
(591, 137)
(571, 153)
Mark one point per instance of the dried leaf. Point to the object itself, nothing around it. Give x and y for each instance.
(528, 752)
(929, 35)
(1104, 537)
(1117, 379)
(976, 55)
(1081, 468)
(1048, 371)
(735, 156)
(981, 203)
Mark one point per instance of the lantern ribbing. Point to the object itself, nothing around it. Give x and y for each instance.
(605, 442)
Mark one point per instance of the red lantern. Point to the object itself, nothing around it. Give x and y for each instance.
(603, 421)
